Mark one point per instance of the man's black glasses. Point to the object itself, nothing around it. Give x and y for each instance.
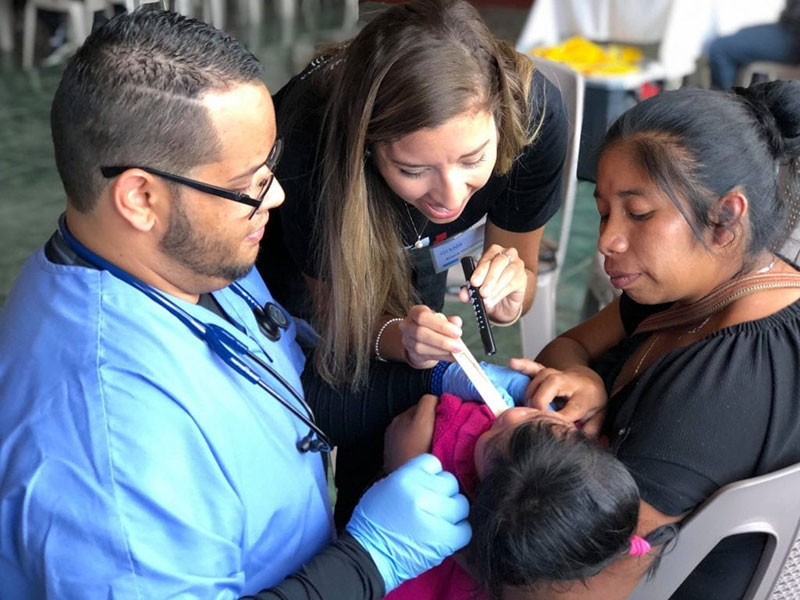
(271, 162)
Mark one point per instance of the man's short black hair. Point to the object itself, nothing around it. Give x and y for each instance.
(131, 95)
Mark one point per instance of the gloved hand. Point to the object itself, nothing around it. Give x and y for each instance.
(411, 520)
(510, 383)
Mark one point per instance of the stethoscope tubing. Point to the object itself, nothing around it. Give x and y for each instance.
(221, 342)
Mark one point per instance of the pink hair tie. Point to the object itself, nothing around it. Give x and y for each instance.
(639, 546)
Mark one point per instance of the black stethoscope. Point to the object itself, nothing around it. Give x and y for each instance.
(270, 318)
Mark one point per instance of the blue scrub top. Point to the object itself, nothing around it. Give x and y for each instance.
(133, 462)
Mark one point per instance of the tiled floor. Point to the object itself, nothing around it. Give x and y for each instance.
(31, 193)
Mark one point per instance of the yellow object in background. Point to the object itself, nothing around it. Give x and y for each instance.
(593, 59)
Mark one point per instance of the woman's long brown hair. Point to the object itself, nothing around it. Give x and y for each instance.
(415, 66)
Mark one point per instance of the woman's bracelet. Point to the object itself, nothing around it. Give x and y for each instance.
(378, 338)
(437, 377)
(507, 323)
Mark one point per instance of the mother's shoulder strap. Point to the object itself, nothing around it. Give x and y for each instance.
(718, 299)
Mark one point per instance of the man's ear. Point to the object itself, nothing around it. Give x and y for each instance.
(729, 220)
(139, 197)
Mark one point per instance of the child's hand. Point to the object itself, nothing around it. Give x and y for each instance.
(410, 433)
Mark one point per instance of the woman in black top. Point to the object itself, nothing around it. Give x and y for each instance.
(697, 366)
(395, 141)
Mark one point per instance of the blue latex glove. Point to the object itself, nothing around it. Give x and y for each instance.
(411, 520)
(510, 383)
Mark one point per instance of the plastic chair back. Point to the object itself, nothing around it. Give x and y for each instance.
(538, 326)
(678, 28)
(767, 504)
(772, 70)
(6, 26)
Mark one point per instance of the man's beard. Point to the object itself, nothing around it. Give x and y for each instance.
(197, 252)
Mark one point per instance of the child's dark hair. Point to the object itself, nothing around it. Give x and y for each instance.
(554, 507)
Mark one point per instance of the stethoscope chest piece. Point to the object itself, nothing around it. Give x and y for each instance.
(271, 319)
(277, 315)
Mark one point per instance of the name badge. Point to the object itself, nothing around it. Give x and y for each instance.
(447, 253)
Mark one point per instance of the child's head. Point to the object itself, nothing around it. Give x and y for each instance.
(552, 506)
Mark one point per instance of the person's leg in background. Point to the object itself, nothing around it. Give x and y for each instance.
(772, 42)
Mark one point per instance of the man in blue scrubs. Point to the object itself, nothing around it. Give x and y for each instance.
(135, 462)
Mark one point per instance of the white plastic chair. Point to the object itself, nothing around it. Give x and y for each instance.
(771, 70)
(80, 15)
(251, 11)
(6, 28)
(538, 326)
(769, 504)
(213, 11)
(678, 28)
(599, 291)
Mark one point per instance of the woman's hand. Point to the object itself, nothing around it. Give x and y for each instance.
(581, 387)
(511, 384)
(410, 433)
(502, 278)
(429, 337)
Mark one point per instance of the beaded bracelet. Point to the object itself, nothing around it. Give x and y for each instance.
(437, 377)
(378, 338)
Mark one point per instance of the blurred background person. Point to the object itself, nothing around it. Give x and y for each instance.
(777, 42)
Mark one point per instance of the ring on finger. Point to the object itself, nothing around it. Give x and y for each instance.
(507, 255)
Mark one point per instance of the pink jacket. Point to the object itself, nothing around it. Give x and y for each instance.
(455, 432)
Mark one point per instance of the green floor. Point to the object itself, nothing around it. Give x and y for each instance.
(31, 193)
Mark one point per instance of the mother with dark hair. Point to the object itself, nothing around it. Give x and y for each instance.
(695, 370)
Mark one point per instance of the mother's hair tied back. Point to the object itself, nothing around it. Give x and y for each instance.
(776, 106)
(753, 99)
